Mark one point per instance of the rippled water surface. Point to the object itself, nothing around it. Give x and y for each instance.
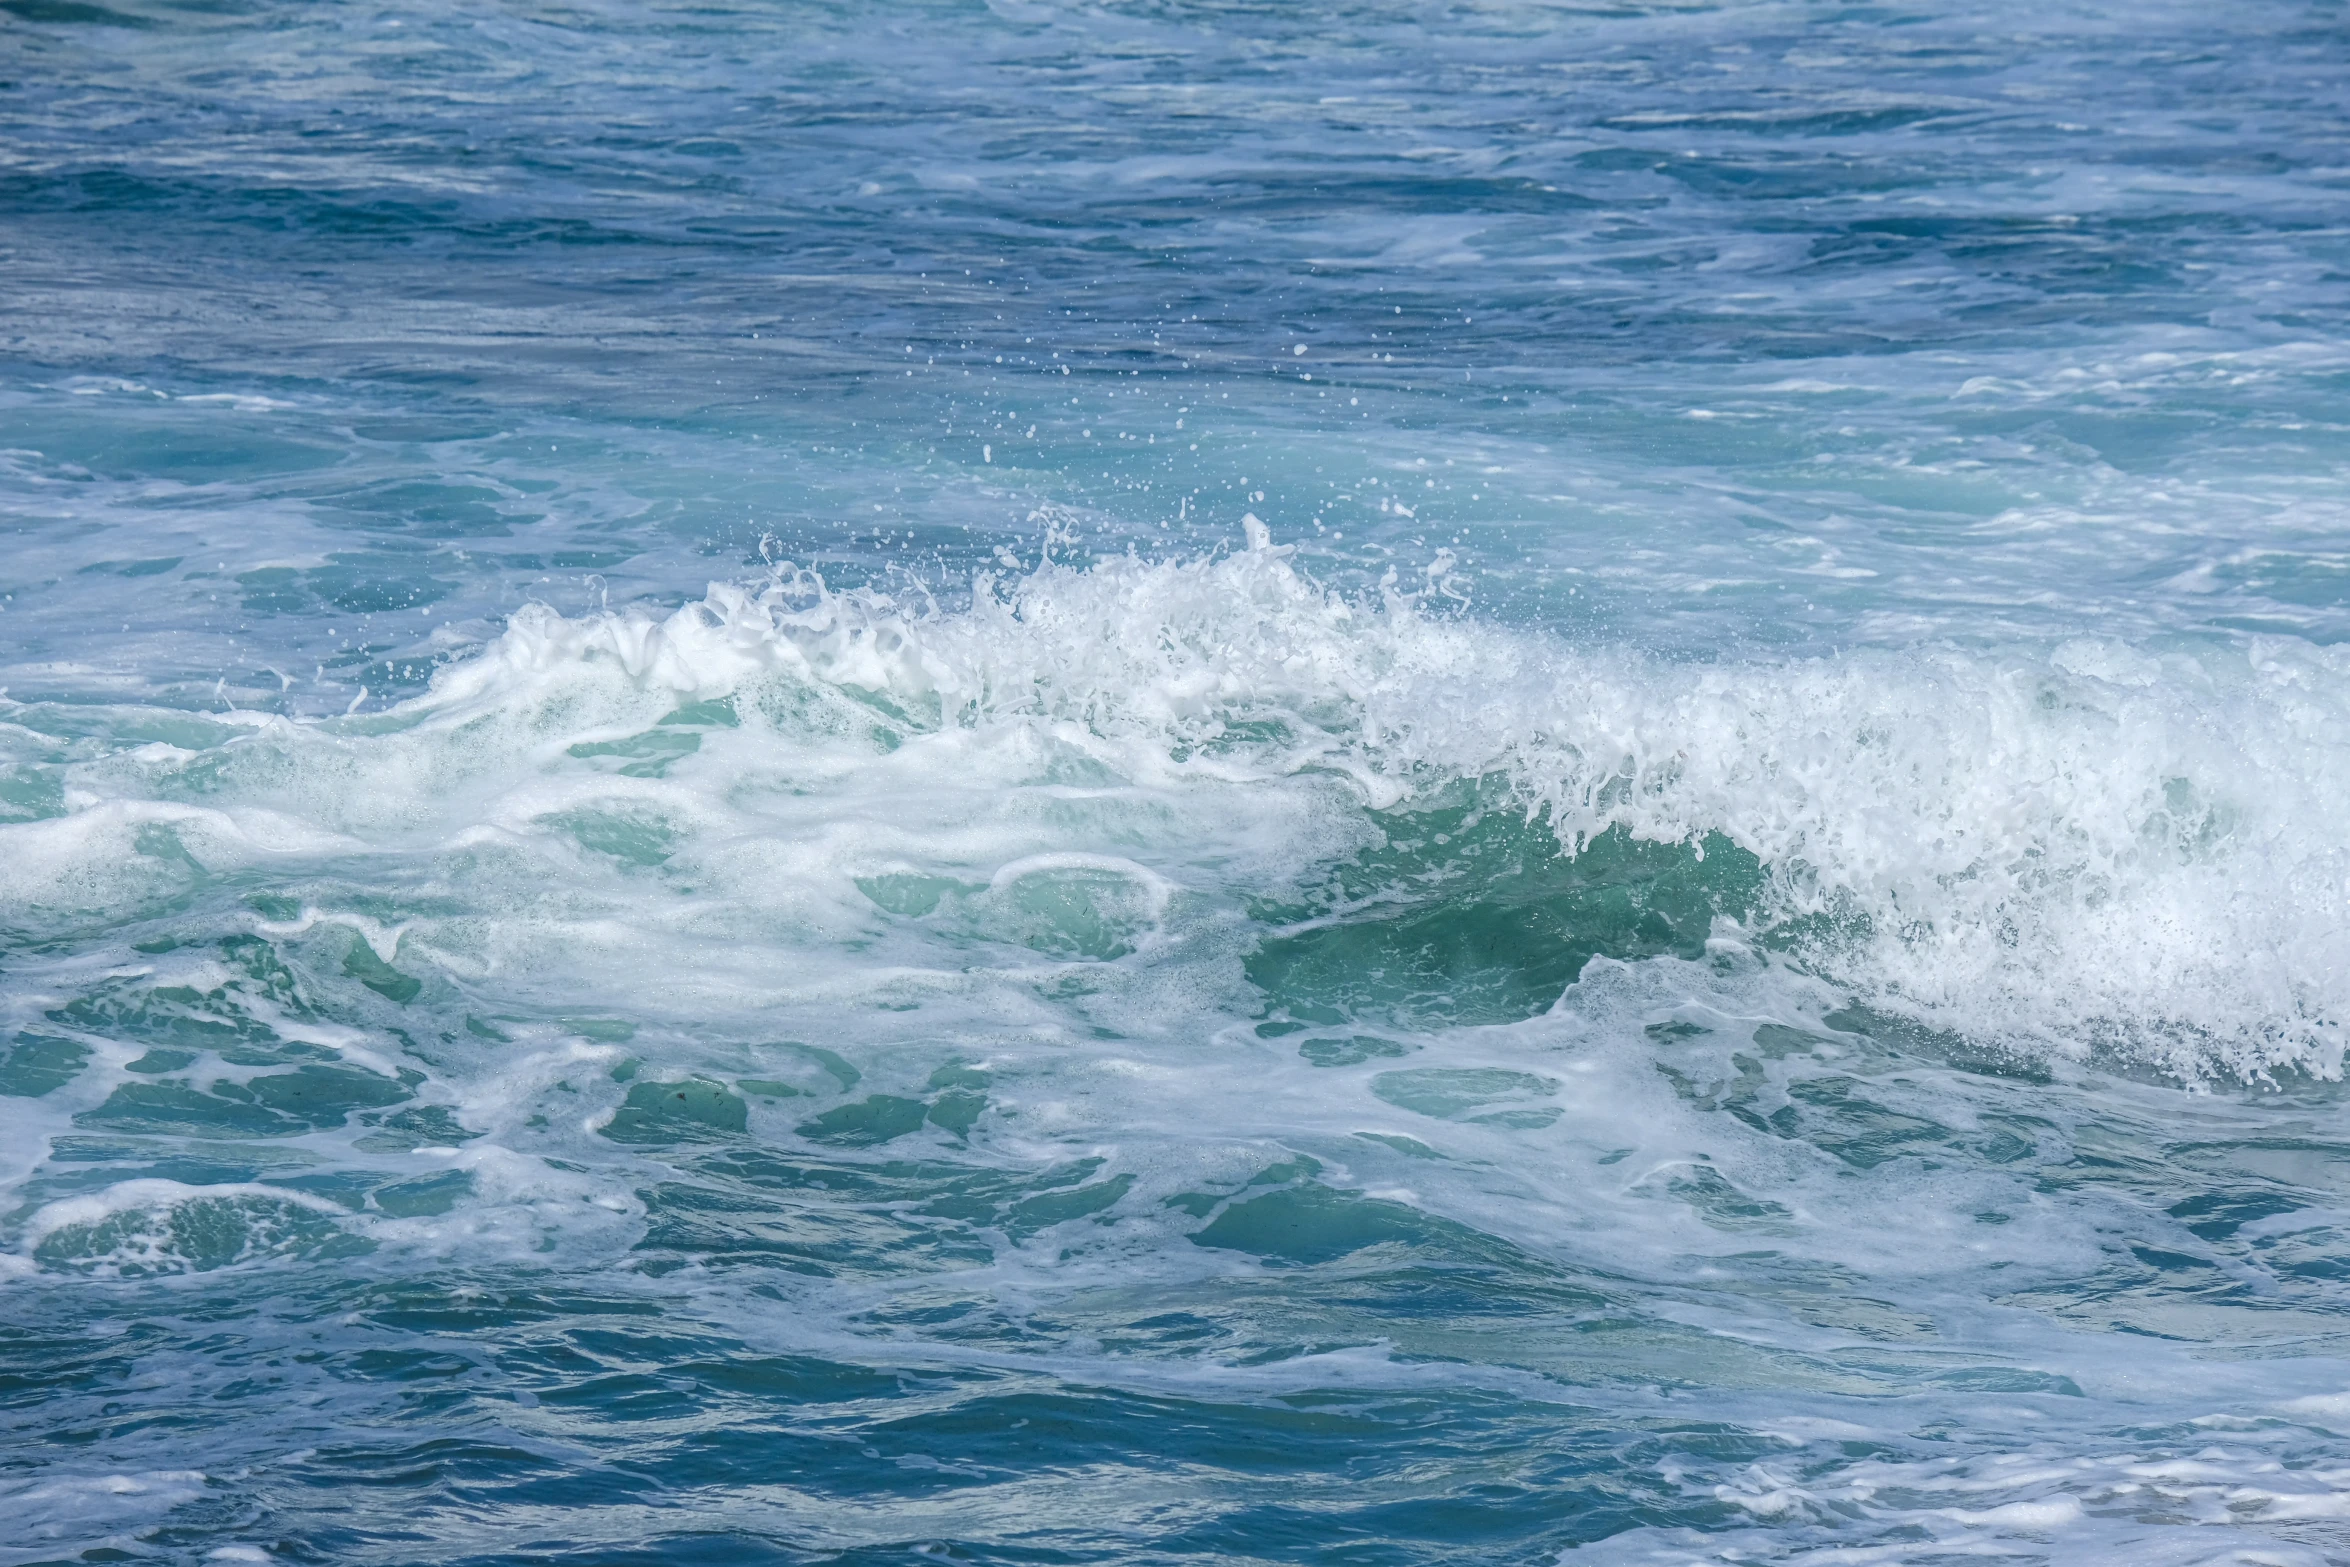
(1063, 783)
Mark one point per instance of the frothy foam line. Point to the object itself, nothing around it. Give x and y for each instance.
(2092, 845)
(2097, 845)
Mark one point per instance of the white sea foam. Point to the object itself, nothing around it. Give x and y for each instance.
(154, 1226)
(2091, 845)
(114, 851)
(2097, 844)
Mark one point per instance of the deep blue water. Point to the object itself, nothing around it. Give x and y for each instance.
(1062, 783)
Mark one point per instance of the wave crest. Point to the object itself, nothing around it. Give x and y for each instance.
(2070, 849)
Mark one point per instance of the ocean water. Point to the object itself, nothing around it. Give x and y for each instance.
(1125, 781)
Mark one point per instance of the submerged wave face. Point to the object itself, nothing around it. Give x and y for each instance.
(1154, 783)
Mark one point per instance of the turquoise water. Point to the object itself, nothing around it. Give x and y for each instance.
(1062, 783)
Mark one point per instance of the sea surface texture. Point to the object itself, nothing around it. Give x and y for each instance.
(1129, 781)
